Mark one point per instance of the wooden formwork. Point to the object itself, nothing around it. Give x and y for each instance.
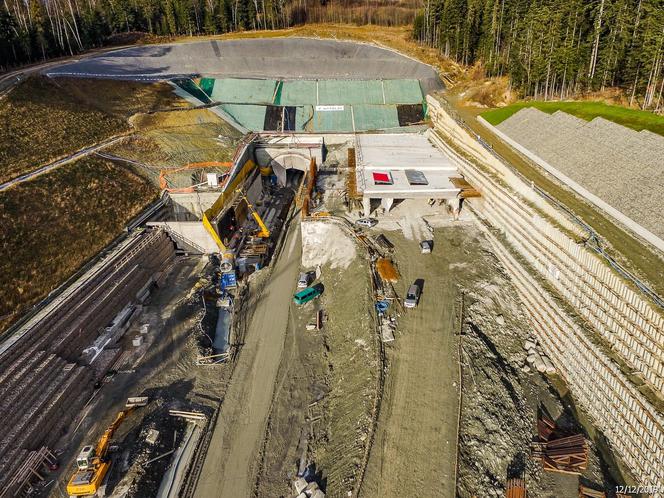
(515, 488)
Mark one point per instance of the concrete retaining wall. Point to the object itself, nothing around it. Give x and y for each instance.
(616, 323)
(610, 210)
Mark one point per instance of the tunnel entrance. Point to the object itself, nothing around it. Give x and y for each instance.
(294, 178)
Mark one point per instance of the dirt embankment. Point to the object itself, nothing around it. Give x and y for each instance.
(53, 224)
(321, 415)
(45, 119)
(502, 394)
(174, 139)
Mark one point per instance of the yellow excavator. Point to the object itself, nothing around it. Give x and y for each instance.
(93, 462)
(264, 232)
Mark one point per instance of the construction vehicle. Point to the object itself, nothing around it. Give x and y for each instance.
(93, 462)
(263, 231)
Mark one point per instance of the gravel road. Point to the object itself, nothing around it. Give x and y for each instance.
(414, 449)
(230, 465)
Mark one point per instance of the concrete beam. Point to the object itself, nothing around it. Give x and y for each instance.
(366, 204)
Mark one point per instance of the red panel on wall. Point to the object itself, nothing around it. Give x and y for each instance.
(382, 178)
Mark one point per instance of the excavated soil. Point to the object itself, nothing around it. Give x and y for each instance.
(321, 414)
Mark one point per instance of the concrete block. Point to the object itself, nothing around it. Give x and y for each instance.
(310, 489)
(528, 345)
(299, 484)
(152, 437)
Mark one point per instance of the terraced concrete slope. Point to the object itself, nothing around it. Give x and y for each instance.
(290, 58)
(620, 166)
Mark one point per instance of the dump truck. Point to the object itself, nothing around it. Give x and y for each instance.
(93, 462)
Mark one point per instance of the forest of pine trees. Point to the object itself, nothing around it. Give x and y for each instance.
(548, 48)
(555, 48)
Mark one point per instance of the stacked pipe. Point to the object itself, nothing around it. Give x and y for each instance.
(44, 380)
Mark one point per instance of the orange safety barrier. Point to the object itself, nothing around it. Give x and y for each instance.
(163, 183)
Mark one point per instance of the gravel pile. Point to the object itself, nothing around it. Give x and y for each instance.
(623, 167)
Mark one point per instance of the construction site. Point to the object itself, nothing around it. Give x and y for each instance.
(340, 290)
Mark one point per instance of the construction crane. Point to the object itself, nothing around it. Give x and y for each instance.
(92, 462)
(263, 233)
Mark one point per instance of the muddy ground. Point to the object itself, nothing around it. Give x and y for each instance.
(165, 370)
(477, 318)
(306, 398)
(414, 449)
(321, 414)
(232, 458)
(468, 312)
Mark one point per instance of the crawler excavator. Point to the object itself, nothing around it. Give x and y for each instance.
(263, 232)
(93, 462)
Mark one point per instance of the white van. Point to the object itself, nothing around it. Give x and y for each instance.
(412, 296)
(304, 280)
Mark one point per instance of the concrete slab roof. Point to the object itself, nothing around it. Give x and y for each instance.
(439, 186)
(400, 156)
(400, 151)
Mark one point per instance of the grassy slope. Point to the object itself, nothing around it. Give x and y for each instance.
(46, 119)
(173, 139)
(50, 226)
(629, 251)
(41, 123)
(122, 98)
(632, 118)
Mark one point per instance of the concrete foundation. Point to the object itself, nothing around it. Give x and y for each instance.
(366, 205)
(289, 152)
(189, 235)
(386, 203)
(190, 206)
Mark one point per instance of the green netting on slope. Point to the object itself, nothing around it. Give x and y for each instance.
(298, 93)
(193, 89)
(375, 117)
(244, 91)
(249, 116)
(402, 92)
(333, 92)
(333, 120)
(207, 84)
(277, 93)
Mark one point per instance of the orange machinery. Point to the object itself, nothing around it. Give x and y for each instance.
(92, 463)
